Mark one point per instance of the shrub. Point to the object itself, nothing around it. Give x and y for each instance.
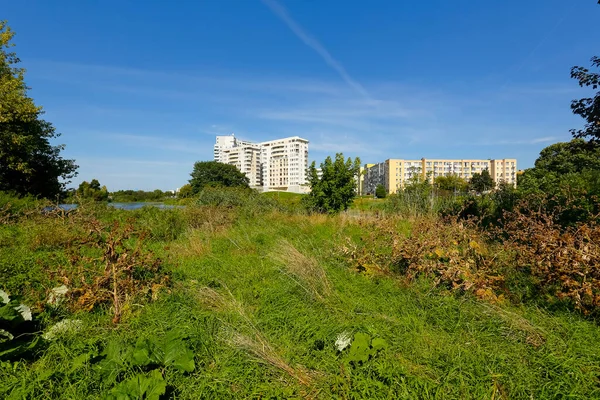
(13, 206)
(380, 192)
(564, 262)
(454, 254)
(247, 200)
(161, 224)
(110, 267)
(19, 332)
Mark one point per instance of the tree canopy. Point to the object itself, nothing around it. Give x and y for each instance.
(380, 192)
(216, 174)
(92, 190)
(566, 166)
(589, 107)
(480, 182)
(335, 189)
(29, 164)
(451, 183)
(185, 191)
(138, 195)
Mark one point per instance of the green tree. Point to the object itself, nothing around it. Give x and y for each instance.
(185, 191)
(215, 174)
(589, 107)
(29, 164)
(451, 183)
(417, 185)
(380, 192)
(94, 184)
(335, 190)
(566, 177)
(562, 168)
(480, 182)
(92, 190)
(157, 194)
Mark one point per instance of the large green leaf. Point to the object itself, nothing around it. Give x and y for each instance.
(177, 354)
(379, 344)
(11, 349)
(142, 386)
(9, 314)
(142, 353)
(360, 350)
(170, 351)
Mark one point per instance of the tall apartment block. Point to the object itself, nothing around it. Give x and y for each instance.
(274, 165)
(394, 173)
(284, 164)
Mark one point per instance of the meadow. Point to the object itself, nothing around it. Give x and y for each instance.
(235, 297)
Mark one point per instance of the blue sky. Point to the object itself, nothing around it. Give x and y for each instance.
(139, 89)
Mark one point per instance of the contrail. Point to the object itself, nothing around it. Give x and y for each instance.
(535, 49)
(314, 44)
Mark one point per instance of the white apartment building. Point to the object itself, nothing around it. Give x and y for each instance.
(247, 159)
(228, 142)
(279, 164)
(284, 164)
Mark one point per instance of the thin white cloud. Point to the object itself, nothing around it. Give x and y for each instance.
(107, 161)
(162, 143)
(546, 139)
(346, 147)
(314, 44)
(172, 84)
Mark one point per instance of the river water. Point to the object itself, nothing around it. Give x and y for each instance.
(123, 206)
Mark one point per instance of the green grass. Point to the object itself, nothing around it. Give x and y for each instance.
(259, 330)
(368, 203)
(285, 197)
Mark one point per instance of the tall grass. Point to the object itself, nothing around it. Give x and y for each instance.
(411, 204)
(260, 295)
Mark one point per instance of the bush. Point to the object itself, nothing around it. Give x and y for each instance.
(161, 224)
(454, 255)
(564, 261)
(247, 200)
(417, 203)
(13, 206)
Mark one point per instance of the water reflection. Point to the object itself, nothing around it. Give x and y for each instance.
(120, 206)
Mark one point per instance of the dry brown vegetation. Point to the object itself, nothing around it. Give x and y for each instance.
(109, 266)
(531, 245)
(305, 271)
(564, 262)
(453, 253)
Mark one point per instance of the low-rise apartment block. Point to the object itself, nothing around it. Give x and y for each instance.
(279, 164)
(395, 173)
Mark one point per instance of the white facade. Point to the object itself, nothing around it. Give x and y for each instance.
(284, 164)
(274, 165)
(223, 142)
(246, 158)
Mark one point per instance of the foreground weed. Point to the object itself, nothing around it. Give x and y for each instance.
(246, 336)
(452, 253)
(120, 272)
(564, 261)
(305, 271)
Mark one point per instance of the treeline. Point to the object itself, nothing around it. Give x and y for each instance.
(94, 191)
